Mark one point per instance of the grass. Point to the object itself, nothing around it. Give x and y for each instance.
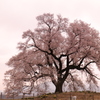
(66, 96)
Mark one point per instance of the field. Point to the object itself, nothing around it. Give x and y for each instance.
(71, 96)
(66, 96)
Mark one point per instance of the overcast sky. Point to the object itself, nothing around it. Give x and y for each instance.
(17, 16)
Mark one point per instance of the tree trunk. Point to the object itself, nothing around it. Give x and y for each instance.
(59, 86)
(59, 83)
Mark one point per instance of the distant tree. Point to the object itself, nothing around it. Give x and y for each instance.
(52, 52)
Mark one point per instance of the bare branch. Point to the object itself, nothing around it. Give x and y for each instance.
(90, 73)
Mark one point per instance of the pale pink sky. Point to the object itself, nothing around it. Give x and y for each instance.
(17, 16)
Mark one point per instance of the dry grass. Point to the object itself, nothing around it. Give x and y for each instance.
(66, 96)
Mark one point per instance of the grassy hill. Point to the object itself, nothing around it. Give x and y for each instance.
(64, 96)
(68, 96)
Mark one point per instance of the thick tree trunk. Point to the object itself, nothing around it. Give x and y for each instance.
(59, 87)
(59, 83)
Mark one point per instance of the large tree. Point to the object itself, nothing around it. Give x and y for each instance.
(52, 52)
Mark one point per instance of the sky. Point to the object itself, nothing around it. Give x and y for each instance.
(17, 16)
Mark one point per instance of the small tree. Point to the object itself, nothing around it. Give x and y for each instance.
(53, 51)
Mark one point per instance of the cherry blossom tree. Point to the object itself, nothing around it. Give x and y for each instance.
(52, 52)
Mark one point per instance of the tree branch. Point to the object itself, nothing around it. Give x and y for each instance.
(55, 65)
(89, 72)
(82, 60)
